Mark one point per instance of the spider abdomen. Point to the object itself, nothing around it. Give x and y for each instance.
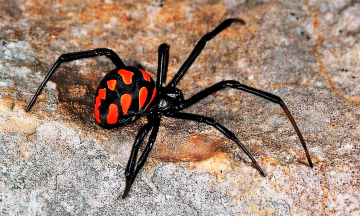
(122, 96)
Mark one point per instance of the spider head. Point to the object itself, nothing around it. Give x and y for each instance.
(170, 98)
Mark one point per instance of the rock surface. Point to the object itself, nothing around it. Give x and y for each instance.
(55, 160)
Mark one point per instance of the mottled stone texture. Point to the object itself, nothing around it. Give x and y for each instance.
(55, 160)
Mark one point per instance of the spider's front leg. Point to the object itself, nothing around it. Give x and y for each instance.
(76, 56)
(199, 47)
(131, 171)
(266, 95)
(163, 61)
(219, 127)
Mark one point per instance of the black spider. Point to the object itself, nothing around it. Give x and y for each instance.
(126, 93)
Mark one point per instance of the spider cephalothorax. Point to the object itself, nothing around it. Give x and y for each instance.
(126, 93)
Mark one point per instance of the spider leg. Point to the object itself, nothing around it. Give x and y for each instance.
(162, 64)
(199, 47)
(76, 56)
(130, 174)
(219, 127)
(135, 149)
(236, 85)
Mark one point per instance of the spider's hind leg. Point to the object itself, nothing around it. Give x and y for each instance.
(219, 127)
(76, 56)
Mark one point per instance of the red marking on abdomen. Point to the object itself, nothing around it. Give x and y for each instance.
(126, 75)
(145, 75)
(111, 84)
(143, 93)
(101, 95)
(125, 102)
(152, 97)
(113, 114)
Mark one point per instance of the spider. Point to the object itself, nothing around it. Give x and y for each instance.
(126, 93)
